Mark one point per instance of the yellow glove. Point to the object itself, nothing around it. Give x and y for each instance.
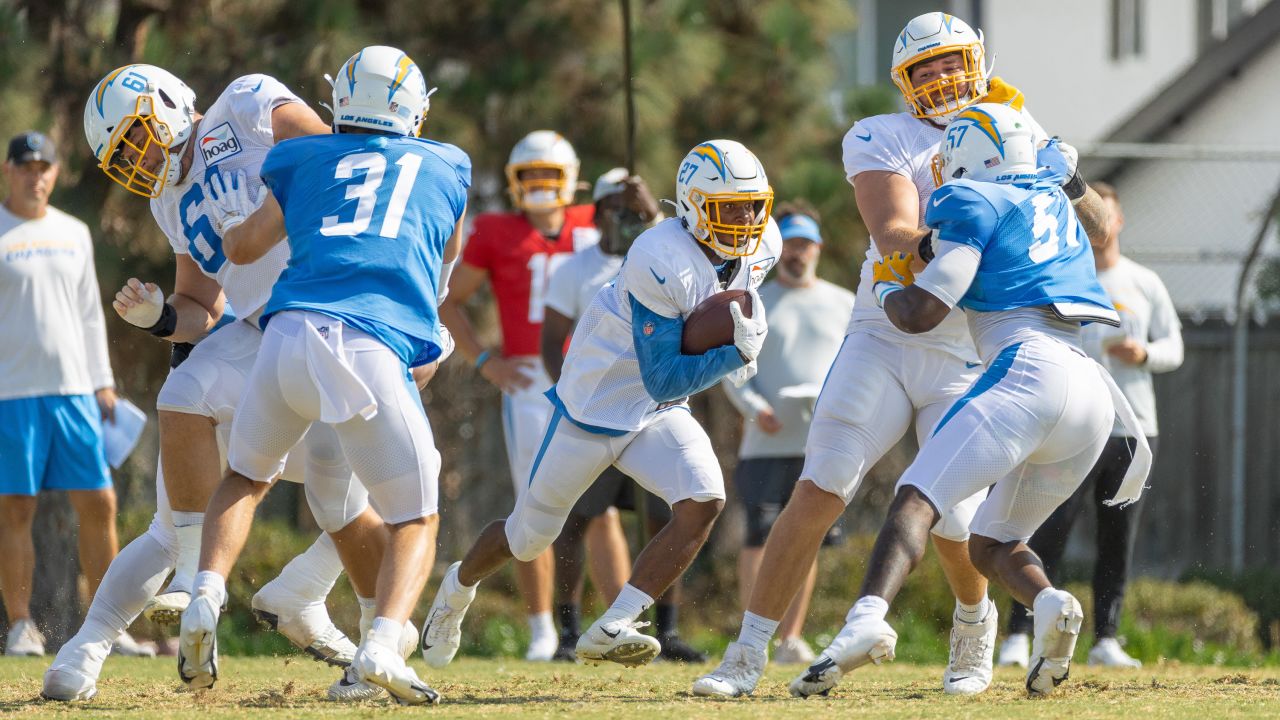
(891, 274)
(999, 91)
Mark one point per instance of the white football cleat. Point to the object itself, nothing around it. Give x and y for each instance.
(737, 675)
(24, 639)
(1015, 650)
(167, 607)
(350, 688)
(1058, 617)
(861, 641)
(385, 668)
(972, 647)
(793, 651)
(1108, 653)
(617, 641)
(127, 646)
(67, 684)
(542, 648)
(198, 643)
(442, 631)
(305, 624)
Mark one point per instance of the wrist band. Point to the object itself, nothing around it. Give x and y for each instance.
(167, 323)
(482, 358)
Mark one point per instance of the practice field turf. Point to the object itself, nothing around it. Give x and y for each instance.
(294, 688)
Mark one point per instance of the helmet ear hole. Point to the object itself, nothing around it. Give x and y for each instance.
(164, 97)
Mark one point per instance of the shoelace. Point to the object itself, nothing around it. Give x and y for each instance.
(970, 652)
(438, 620)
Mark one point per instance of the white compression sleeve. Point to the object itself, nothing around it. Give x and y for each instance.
(951, 272)
(442, 289)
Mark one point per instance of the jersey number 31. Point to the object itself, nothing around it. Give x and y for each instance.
(366, 193)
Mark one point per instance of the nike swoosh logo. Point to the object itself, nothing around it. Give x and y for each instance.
(762, 331)
(661, 280)
(612, 635)
(344, 682)
(864, 138)
(958, 679)
(938, 201)
(815, 670)
(257, 87)
(971, 366)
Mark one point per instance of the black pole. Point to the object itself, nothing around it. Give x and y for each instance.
(626, 70)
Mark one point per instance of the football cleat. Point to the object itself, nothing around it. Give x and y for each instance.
(567, 651)
(167, 607)
(1057, 620)
(198, 643)
(350, 688)
(1108, 653)
(676, 650)
(306, 625)
(862, 640)
(738, 674)
(1015, 650)
(972, 647)
(127, 646)
(617, 641)
(385, 668)
(542, 648)
(442, 631)
(24, 639)
(793, 651)
(67, 684)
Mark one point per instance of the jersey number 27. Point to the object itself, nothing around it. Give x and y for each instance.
(366, 193)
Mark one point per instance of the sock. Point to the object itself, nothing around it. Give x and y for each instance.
(973, 614)
(540, 625)
(756, 631)
(368, 610)
(453, 587)
(869, 606)
(570, 619)
(188, 526)
(629, 604)
(308, 578)
(212, 584)
(665, 617)
(386, 632)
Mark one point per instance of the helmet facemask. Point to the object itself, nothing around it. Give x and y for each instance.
(942, 97)
(129, 173)
(730, 239)
(541, 193)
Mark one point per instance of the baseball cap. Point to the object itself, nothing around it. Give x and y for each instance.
(31, 146)
(801, 226)
(610, 183)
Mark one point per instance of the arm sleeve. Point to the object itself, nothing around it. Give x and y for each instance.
(93, 322)
(252, 98)
(951, 273)
(747, 400)
(667, 374)
(961, 214)
(1164, 346)
(869, 146)
(562, 290)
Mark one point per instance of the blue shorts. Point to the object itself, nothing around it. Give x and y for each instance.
(51, 442)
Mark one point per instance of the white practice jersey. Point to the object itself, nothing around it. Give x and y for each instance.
(667, 272)
(234, 134)
(576, 282)
(904, 144)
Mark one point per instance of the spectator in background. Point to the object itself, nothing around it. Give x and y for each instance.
(807, 320)
(56, 386)
(1149, 340)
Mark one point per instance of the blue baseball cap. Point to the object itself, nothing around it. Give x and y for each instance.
(799, 226)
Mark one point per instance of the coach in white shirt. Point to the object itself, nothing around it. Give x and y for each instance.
(55, 382)
(1149, 340)
(807, 322)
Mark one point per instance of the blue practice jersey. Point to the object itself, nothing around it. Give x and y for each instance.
(368, 217)
(1034, 252)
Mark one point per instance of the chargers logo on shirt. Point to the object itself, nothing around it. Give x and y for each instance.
(759, 269)
(219, 144)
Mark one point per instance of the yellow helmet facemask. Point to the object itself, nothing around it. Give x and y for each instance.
(538, 193)
(130, 174)
(729, 239)
(944, 96)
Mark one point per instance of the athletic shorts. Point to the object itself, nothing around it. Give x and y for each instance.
(873, 391)
(51, 442)
(1030, 429)
(764, 486)
(524, 416)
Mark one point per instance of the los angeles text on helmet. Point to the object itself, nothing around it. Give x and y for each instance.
(365, 119)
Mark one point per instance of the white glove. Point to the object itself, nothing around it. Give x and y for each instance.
(228, 196)
(1072, 155)
(139, 304)
(740, 376)
(749, 332)
(446, 344)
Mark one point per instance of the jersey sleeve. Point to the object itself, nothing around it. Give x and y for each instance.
(961, 214)
(478, 250)
(171, 233)
(252, 98)
(277, 169)
(654, 284)
(562, 289)
(870, 146)
(458, 159)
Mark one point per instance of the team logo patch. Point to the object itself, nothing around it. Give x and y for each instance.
(324, 331)
(219, 144)
(647, 328)
(759, 269)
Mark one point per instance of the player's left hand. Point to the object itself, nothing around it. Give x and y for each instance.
(1128, 351)
(1058, 158)
(107, 403)
(740, 376)
(228, 194)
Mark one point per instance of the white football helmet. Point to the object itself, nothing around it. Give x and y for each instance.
(712, 175)
(989, 142)
(380, 88)
(929, 36)
(542, 149)
(139, 95)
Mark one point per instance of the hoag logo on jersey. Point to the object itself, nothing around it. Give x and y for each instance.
(219, 144)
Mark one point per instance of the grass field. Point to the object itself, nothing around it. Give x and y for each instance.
(294, 688)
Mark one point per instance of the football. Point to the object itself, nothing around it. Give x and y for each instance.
(710, 325)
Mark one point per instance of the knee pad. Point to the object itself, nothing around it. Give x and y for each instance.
(532, 527)
(335, 502)
(164, 535)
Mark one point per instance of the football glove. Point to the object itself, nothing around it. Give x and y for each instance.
(749, 332)
(228, 195)
(447, 345)
(740, 376)
(147, 313)
(890, 274)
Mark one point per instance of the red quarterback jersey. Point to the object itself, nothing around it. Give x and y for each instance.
(519, 261)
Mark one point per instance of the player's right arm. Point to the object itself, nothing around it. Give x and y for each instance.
(877, 166)
(192, 310)
(555, 331)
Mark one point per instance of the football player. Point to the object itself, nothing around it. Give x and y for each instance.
(1010, 251)
(142, 124)
(621, 400)
(884, 379)
(517, 253)
(373, 215)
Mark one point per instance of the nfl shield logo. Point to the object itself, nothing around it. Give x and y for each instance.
(647, 329)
